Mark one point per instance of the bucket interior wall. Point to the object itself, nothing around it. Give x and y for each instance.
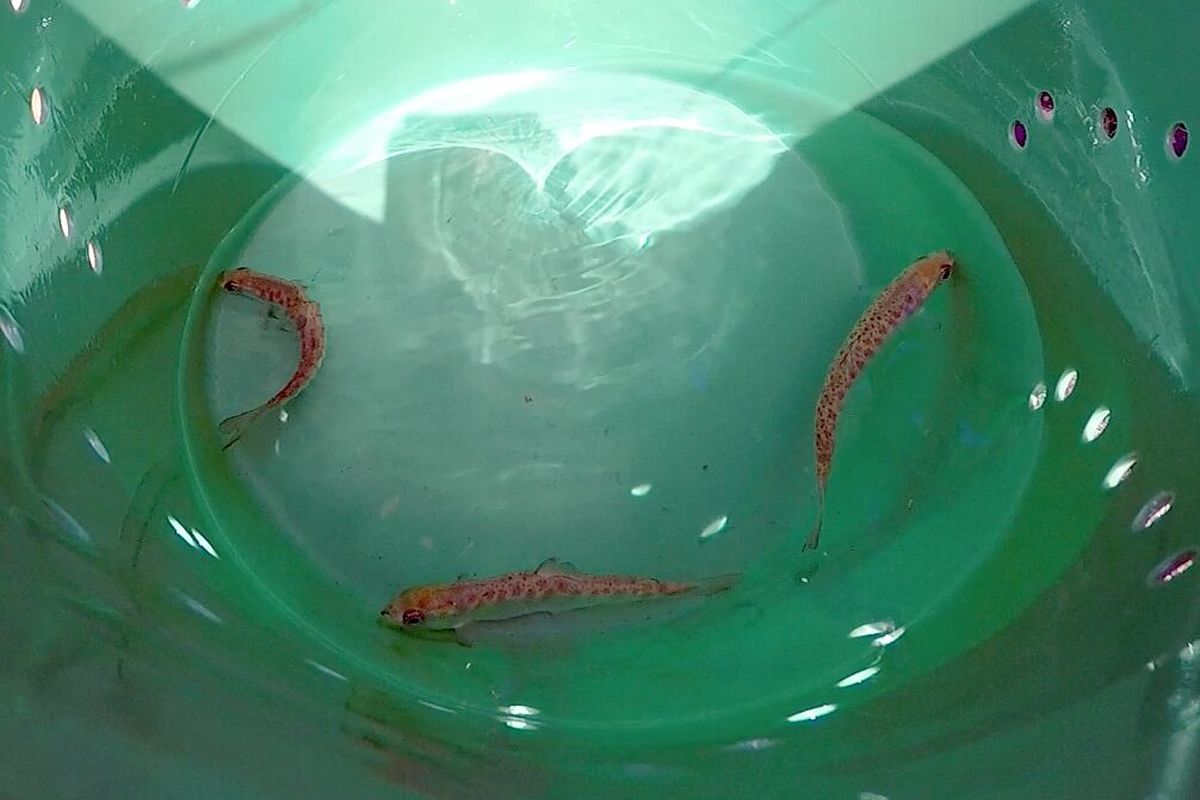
(582, 270)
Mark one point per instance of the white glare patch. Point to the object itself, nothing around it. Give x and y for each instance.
(1037, 398)
(426, 542)
(1155, 509)
(436, 707)
(64, 222)
(204, 544)
(37, 105)
(890, 638)
(182, 531)
(859, 677)
(753, 745)
(190, 3)
(714, 527)
(1096, 424)
(283, 415)
(333, 673)
(1120, 471)
(641, 490)
(94, 257)
(519, 723)
(198, 607)
(1171, 568)
(873, 629)
(97, 446)
(11, 331)
(69, 523)
(389, 506)
(810, 714)
(520, 710)
(18, 5)
(1066, 385)
(871, 796)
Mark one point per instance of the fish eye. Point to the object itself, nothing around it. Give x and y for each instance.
(945, 271)
(412, 616)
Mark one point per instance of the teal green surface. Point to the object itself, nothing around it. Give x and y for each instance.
(626, 271)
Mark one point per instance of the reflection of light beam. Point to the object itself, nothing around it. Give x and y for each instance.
(1120, 471)
(847, 51)
(319, 667)
(714, 527)
(182, 532)
(815, 713)
(872, 629)
(862, 676)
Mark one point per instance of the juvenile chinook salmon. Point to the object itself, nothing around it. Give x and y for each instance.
(896, 303)
(305, 316)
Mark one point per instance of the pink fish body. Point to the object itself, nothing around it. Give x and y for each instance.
(554, 587)
(305, 316)
(896, 303)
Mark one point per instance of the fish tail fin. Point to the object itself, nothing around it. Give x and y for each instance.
(233, 427)
(814, 536)
(717, 583)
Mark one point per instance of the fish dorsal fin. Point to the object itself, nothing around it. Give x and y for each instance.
(552, 566)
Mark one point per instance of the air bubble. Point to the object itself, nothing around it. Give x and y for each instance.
(1171, 568)
(1066, 385)
(95, 258)
(1037, 398)
(1109, 122)
(1018, 134)
(1154, 510)
(1177, 140)
(1096, 424)
(38, 105)
(190, 3)
(1045, 105)
(64, 222)
(1120, 471)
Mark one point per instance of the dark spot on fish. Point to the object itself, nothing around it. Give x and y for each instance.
(705, 467)
(528, 398)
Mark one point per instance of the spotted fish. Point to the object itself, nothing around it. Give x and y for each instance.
(902, 297)
(305, 316)
(554, 587)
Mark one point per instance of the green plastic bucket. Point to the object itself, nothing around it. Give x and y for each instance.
(583, 268)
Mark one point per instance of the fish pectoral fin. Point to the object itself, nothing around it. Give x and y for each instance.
(552, 566)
